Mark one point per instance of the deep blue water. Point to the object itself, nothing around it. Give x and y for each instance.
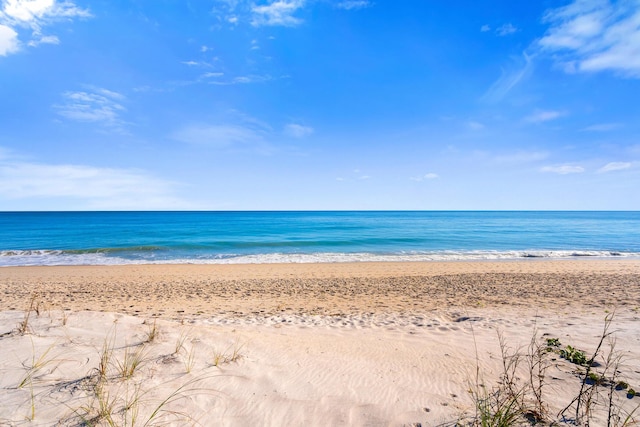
(49, 238)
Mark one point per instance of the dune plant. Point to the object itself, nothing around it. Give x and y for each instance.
(23, 326)
(105, 357)
(180, 342)
(231, 354)
(32, 370)
(588, 390)
(124, 404)
(516, 401)
(37, 364)
(65, 318)
(190, 359)
(131, 361)
(152, 332)
(574, 355)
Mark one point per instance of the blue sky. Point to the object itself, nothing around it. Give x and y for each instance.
(319, 104)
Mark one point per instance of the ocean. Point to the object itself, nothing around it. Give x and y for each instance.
(104, 238)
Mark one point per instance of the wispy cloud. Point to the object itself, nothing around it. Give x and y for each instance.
(353, 4)
(541, 116)
(522, 157)
(90, 187)
(277, 13)
(218, 136)
(510, 77)
(473, 125)
(506, 29)
(502, 30)
(595, 35)
(33, 15)
(603, 127)
(236, 132)
(426, 177)
(98, 105)
(615, 166)
(211, 74)
(285, 13)
(563, 169)
(356, 175)
(297, 131)
(253, 78)
(44, 40)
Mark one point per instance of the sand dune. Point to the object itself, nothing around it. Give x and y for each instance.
(376, 344)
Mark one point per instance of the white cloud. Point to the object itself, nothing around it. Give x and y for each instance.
(356, 175)
(210, 75)
(278, 12)
(99, 105)
(541, 116)
(243, 80)
(90, 187)
(563, 169)
(297, 131)
(353, 4)
(615, 166)
(34, 15)
(44, 40)
(219, 136)
(522, 157)
(603, 127)
(425, 177)
(509, 79)
(475, 125)
(506, 29)
(595, 35)
(8, 40)
(36, 12)
(485, 28)
(109, 93)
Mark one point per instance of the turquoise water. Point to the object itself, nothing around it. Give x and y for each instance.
(73, 238)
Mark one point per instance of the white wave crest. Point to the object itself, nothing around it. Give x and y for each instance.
(53, 257)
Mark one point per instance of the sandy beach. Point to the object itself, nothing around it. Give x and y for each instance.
(303, 344)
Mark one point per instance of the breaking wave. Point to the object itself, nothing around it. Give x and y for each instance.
(160, 255)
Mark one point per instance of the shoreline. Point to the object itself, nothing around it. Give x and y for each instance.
(62, 258)
(404, 288)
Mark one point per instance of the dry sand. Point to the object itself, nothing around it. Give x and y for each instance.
(317, 344)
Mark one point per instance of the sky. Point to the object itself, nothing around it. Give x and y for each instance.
(319, 105)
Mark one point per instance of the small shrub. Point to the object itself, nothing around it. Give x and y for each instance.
(553, 342)
(594, 378)
(621, 385)
(574, 355)
(631, 393)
